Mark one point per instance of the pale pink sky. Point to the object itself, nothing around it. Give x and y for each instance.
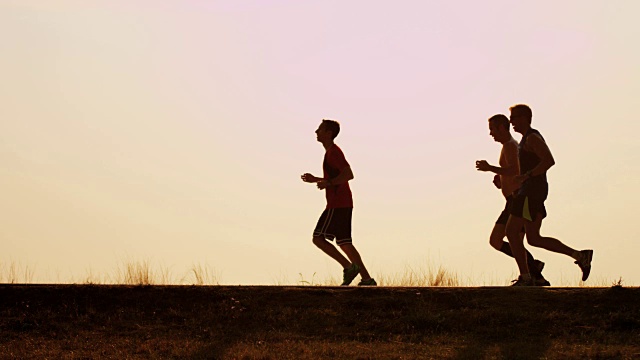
(176, 132)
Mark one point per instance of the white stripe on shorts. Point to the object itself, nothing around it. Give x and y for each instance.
(327, 222)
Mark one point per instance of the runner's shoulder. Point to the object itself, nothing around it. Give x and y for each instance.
(511, 146)
(535, 138)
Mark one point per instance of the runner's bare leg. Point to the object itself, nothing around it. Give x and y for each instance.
(547, 243)
(514, 225)
(331, 250)
(354, 256)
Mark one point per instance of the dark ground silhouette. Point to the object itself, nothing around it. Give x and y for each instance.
(272, 322)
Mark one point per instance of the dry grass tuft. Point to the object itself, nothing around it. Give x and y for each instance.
(201, 275)
(420, 277)
(10, 273)
(135, 273)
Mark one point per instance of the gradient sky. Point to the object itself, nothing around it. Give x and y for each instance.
(175, 132)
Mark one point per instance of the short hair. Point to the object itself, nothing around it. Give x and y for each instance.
(332, 126)
(500, 119)
(522, 110)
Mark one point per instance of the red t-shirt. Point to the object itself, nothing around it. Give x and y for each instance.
(338, 196)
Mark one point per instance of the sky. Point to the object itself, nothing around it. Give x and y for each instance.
(175, 133)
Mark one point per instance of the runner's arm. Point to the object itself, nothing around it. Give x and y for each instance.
(512, 161)
(345, 175)
(540, 148)
(512, 168)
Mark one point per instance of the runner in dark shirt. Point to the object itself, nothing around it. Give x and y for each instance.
(528, 204)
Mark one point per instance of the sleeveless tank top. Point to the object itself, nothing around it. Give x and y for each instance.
(529, 160)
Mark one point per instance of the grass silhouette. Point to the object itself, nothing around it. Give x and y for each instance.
(15, 273)
(144, 272)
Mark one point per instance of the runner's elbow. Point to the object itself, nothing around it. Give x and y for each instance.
(550, 163)
(349, 175)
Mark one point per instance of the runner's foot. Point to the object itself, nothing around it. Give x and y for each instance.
(539, 280)
(349, 274)
(585, 263)
(520, 281)
(370, 282)
(537, 266)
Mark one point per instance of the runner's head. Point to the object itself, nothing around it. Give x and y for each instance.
(331, 126)
(499, 128)
(520, 118)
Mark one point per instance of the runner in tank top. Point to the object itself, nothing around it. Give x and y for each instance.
(528, 205)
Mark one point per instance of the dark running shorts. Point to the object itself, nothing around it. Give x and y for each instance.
(335, 224)
(529, 201)
(504, 215)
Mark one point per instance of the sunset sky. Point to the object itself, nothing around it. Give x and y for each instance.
(175, 132)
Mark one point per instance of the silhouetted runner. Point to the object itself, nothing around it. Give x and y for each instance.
(499, 129)
(335, 221)
(528, 208)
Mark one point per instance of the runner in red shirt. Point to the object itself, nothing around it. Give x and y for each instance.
(335, 221)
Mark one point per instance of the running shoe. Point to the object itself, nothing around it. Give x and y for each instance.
(349, 274)
(537, 266)
(585, 263)
(539, 280)
(370, 282)
(522, 282)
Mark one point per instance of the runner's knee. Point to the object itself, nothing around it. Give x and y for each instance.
(496, 241)
(497, 235)
(534, 240)
(318, 240)
(347, 245)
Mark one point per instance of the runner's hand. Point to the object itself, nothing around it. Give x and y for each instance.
(306, 177)
(497, 182)
(323, 184)
(483, 165)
